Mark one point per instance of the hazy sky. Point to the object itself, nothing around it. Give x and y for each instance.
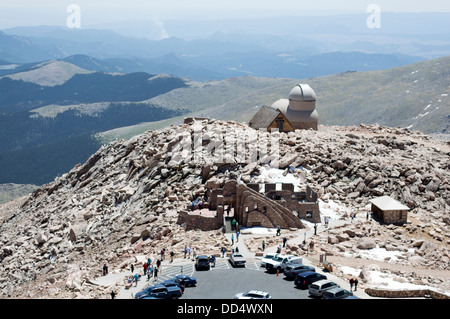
(54, 12)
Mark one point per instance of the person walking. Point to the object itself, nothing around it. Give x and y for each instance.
(237, 236)
(232, 239)
(132, 268)
(284, 241)
(105, 270)
(145, 268)
(352, 281)
(263, 245)
(149, 272)
(356, 283)
(171, 256)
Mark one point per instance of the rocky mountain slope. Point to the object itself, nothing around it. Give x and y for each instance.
(125, 199)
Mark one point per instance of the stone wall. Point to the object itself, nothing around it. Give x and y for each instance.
(302, 204)
(205, 223)
(391, 216)
(305, 125)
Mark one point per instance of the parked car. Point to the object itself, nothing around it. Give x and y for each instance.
(278, 263)
(266, 258)
(337, 293)
(171, 283)
(202, 262)
(317, 288)
(293, 271)
(237, 260)
(185, 280)
(253, 294)
(304, 279)
(159, 292)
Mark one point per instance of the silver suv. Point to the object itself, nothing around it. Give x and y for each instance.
(317, 288)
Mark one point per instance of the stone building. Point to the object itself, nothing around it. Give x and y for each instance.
(270, 208)
(389, 210)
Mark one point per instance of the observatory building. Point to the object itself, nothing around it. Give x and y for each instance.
(299, 111)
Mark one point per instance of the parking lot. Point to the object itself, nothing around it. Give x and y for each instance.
(224, 281)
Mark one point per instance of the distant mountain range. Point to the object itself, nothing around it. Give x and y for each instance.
(215, 57)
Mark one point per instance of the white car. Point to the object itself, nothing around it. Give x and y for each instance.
(253, 294)
(266, 258)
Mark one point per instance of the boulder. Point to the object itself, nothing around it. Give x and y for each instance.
(365, 243)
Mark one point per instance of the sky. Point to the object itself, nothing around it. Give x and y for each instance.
(54, 12)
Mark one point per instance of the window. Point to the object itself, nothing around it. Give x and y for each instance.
(280, 123)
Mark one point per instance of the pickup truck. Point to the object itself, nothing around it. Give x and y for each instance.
(159, 292)
(279, 262)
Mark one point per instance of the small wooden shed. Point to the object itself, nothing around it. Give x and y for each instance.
(270, 118)
(389, 210)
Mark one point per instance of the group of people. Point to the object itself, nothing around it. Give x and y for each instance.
(188, 251)
(148, 269)
(353, 281)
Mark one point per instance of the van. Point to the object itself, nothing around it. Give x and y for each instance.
(304, 279)
(317, 288)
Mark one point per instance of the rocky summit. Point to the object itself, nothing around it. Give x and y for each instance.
(125, 201)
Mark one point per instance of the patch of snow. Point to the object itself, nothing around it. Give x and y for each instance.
(390, 281)
(258, 231)
(276, 175)
(350, 271)
(427, 107)
(332, 210)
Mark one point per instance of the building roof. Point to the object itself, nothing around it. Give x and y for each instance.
(264, 117)
(388, 203)
(302, 92)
